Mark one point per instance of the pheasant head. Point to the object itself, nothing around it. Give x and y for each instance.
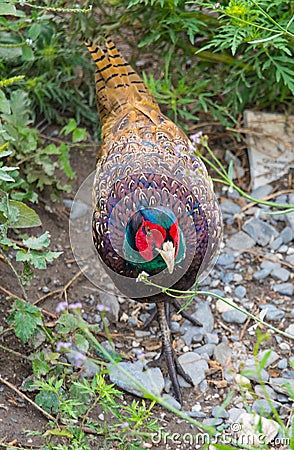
(154, 240)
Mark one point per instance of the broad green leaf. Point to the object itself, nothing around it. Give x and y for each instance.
(48, 401)
(4, 176)
(4, 103)
(79, 134)
(81, 343)
(40, 367)
(70, 127)
(64, 162)
(37, 243)
(27, 217)
(7, 9)
(66, 323)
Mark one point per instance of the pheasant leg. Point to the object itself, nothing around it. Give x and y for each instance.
(167, 353)
(184, 313)
(177, 307)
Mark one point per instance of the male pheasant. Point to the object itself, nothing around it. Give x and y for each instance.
(154, 206)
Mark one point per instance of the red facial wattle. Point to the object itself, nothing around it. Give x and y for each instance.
(149, 236)
(175, 235)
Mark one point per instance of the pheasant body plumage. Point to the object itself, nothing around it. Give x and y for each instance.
(154, 205)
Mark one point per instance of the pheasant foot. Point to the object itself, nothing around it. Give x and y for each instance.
(167, 354)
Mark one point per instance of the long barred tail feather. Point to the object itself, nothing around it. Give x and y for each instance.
(117, 84)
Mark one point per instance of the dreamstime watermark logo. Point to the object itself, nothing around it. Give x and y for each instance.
(81, 238)
(233, 434)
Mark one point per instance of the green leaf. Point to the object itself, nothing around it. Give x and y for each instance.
(27, 53)
(25, 319)
(48, 401)
(40, 366)
(34, 31)
(70, 127)
(4, 176)
(37, 243)
(4, 103)
(79, 134)
(66, 323)
(64, 161)
(27, 217)
(7, 9)
(81, 343)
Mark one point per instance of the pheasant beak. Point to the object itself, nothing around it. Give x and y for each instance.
(168, 255)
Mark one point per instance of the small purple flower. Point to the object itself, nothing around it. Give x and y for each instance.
(196, 138)
(63, 346)
(62, 306)
(141, 356)
(124, 425)
(103, 308)
(79, 358)
(76, 305)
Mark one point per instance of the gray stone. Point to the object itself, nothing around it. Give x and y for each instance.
(276, 243)
(272, 357)
(274, 313)
(290, 329)
(234, 316)
(281, 398)
(172, 401)
(284, 288)
(283, 249)
(286, 235)
(218, 411)
(211, 338)
(240, 241)
(196, 414)
(193, 365)
(226, 259)
(213, 422)
(290, 259)
(111, 302)
(267, 264)
(290, 219)
(253, 373)
(282, 364)
(281, 274)
(235, 413)
(282, 385)
(240, 291)
(262, 191)
(78, 209)
(197, 337)
(222, 353)
(262, 407)
(265, 391)
(207, 349)
(174, 326)
(151, 379)
(204, 315)
(260, 231)
(228, 207)
(261, 274)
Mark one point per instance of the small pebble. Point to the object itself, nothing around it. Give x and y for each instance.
(222, 353)
(261, 274)
(226, 259)
(284, 288)
(240, 291)
(234, 316)
(262, 407)
(283, 364)
(281, 274)
(218, 411)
